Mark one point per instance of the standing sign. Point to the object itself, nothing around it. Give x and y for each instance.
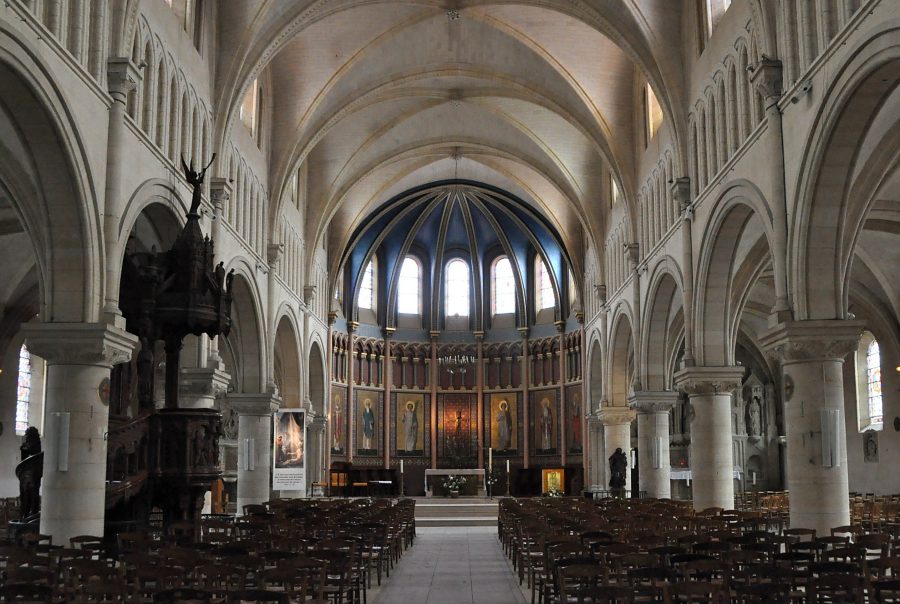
(289, 455)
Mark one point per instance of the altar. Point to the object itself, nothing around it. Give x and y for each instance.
(430, 474)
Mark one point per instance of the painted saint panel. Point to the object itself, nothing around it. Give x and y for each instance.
(504, 418)
(545, 421)
(574, 420)
(368, 423)
(338, 420)
(409, 411)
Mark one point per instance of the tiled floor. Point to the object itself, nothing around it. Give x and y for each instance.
(452, 566)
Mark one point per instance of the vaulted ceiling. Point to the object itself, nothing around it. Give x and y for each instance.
(534, 97)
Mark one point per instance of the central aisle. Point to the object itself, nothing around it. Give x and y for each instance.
(452, 566)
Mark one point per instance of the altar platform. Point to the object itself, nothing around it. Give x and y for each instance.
(434, 476)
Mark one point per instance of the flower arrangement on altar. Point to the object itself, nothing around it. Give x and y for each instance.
(453, 483)
(554, 492)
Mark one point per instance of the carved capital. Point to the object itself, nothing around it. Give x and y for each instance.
(804, 341)
(709, 380)
(219, 192)
(309, 294)
(616, 416)
(254, 404)
(633, 253)
(96, 344)
(273, 255)
(600, 290)
(204, 381)
(766, 77)
(681, 191)
(122, 76)
(649, 402)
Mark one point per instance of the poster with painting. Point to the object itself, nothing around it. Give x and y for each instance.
(553, 481)
(410, 424)
(368, 423)
(544, 418)
(338, 421)
(574, 420)
(504, 417)
(289, 451)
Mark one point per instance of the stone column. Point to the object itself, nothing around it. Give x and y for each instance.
(617, 435)
(79, 357)
(766, 76)
(653, 440)
(681, 191)
(812, 354)
(254, 446)
(712, 460)
(122, 77)
(315, 450)
(594, 451)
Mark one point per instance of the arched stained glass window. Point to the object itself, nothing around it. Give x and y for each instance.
(456, 288)
(503, 287)
(367, 287)
(409, 289)
(545, 297)
(873, 383)
(23, 390)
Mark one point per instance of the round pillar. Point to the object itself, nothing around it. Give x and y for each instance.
(653, 441)
(811, 355)
(79, 357)
(254, 476)
(712, 459)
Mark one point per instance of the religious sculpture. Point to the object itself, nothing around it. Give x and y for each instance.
(618, 466)
(29, 473)
(754, 421)
(195, 179)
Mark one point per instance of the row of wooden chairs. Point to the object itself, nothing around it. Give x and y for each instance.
(573, 550)
(282, 551)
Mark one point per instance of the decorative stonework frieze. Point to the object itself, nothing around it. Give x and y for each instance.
(804, 341)
(709, 380)
(97, 344)
(204, 381)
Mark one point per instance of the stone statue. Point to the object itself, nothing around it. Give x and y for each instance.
(618, 465)
(30, 474)
(754, 421)
(220, 275)
(195, 179)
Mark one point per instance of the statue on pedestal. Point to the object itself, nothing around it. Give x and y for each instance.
(618, 466)
(29, 472)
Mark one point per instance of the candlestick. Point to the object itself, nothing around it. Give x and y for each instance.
(490, 458)
(507, 466)
(401, 466)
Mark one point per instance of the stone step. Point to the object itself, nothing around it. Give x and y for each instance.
(456, 521)
(456, 511)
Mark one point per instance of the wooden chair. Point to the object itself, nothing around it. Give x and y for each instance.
(578, 583)
(887, 590)
(27, 593)
(696, 593)
(837, 588)
(259, 596)
(182, 595)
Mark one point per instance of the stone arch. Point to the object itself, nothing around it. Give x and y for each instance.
(848, 158)
(736, 248)
(286, 362)
(49, 184)
(660, 313)
(621, 357)
(243, 350)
